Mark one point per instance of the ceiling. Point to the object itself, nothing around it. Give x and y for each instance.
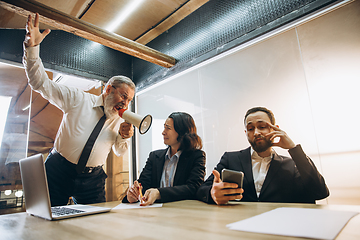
(145, 22)
(131, 19)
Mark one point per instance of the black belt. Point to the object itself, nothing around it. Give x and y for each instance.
(86, 170)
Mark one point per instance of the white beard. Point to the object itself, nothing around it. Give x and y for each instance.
(109, 104)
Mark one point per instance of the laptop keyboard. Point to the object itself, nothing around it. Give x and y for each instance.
(61, 211)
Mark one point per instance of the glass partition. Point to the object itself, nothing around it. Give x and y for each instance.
(15, 97)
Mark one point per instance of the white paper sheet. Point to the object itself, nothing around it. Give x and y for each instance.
(135, 205)
(297, 222)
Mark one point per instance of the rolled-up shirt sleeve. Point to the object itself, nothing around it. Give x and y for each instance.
(120, 146)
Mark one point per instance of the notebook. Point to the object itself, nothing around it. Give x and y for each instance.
(36, 193)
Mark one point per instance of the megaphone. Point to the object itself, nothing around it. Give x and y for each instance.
(142, 123)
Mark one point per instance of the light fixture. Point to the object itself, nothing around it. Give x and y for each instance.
(18, 193)
(7, 192)
(124, 14)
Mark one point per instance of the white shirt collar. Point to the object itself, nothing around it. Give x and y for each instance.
(167, 155)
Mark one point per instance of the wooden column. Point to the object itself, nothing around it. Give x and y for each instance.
(117, 182)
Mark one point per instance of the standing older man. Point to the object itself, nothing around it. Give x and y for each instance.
(269, 177)
(73, 167)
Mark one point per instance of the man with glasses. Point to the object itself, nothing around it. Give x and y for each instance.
(70, 172)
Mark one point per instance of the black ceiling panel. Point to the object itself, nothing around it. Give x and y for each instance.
(216, 27)
(65, 52)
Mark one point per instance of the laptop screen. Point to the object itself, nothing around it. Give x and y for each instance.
(36, 193)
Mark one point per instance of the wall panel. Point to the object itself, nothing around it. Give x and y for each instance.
(308, 75)
(330, 47)
(178, 95)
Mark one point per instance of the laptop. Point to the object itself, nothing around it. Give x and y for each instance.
(36, 193)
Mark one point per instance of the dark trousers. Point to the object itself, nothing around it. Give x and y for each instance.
(64, 182)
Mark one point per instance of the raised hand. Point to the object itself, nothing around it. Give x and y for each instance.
(33, 35)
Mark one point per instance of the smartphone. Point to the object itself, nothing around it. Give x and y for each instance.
(232, 176)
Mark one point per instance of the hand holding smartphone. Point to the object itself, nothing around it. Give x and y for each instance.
(232, 176)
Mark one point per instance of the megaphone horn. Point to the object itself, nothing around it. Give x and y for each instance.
(142, 123)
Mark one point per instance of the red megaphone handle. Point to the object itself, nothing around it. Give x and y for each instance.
(121, 111)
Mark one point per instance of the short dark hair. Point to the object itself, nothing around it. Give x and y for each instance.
(261, 109)
(185, 127)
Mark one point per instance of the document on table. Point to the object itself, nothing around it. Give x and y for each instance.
(296, 222)
(135, 205)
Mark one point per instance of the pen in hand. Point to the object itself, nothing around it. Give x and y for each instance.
(141, 195)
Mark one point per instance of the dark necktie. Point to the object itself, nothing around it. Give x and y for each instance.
(89, 145)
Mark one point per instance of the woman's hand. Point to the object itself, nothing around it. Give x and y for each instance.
(133, 192)
(150, 196)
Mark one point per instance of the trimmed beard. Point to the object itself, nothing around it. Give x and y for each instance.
(261, 147)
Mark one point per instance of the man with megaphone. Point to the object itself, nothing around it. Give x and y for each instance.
(90, 128)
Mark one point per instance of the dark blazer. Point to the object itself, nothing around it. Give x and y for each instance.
(292, 180)
(189, 175)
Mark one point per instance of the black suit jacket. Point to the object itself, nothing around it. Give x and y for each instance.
(189, 175)
(293, 180)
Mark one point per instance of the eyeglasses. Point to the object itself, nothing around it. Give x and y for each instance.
(124, 96)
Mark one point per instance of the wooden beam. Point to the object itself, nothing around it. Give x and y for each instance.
(65, 22)
(173, 19)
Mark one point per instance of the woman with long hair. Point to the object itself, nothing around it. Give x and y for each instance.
(174, 173)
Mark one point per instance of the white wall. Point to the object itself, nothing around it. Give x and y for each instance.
(308, 75)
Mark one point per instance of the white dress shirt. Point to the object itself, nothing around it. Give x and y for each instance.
(81, 112)
(260, 167)
(167, 177)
